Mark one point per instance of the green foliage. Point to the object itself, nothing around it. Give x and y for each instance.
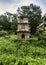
(14, 52)
(14, 23)
(34, 16)
(3, 33)
(1, 27)
(4, 22)
(44, 17)
(34, 19)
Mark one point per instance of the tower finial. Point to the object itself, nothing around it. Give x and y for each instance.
(19, 11)
(30, 9)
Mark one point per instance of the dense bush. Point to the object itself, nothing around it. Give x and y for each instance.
(3, 33)
(21, 52)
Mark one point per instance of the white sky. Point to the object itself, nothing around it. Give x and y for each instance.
(12, 5)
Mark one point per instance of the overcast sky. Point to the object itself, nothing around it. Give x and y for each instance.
(12, 5)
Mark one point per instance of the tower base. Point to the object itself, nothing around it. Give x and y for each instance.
(23, 36)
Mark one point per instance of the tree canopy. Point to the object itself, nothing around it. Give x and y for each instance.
(34, 14)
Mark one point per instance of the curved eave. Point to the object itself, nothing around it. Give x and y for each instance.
(22, 16)
(23, 31)
(23, 23)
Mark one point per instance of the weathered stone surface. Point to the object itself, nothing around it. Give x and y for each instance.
(23, 29)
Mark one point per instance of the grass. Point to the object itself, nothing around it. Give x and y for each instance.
(22, 53)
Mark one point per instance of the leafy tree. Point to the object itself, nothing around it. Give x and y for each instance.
(4, 22)
(44, 17)
(34, 14)
(8, 21)
(14, 23)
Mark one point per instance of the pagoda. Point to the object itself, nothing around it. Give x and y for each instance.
(23, 32)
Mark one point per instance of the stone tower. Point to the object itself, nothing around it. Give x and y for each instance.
(23, 28)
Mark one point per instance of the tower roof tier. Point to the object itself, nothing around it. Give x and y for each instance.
(24, 23)
(23, 20)
(21, 16)
(23, 31)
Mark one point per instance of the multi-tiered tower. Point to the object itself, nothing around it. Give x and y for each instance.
(23, 27)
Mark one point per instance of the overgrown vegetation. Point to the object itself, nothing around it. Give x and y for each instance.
(13, 52)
